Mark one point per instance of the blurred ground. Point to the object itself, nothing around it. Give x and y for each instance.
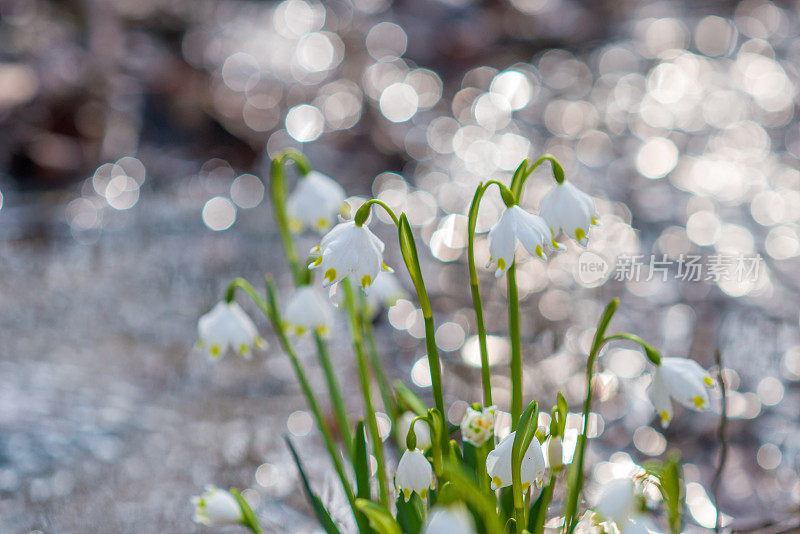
(126, 125)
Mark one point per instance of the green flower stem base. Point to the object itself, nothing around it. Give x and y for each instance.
(363, 374)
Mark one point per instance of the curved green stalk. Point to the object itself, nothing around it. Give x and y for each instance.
(363, 212)
(472, 220)
(519, 179)
(576, 472)
(300, 274)
(270, 308)
(363, 375)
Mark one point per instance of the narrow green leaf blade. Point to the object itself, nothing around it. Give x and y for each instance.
(361, 462)
(322, 515)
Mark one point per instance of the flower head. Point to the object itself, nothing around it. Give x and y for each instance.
(498, 464)
(308, 310)
(681, 379)
(449, 520)
(217, 507)
(517, 226)
(414, 474)
(477, 426)
(315, 202)
(228, 326)
(568, 209)
(347, 250)
(421, 430)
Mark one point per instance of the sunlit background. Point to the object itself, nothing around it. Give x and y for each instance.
(136, 137)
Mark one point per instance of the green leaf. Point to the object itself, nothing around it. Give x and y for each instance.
(322, 515)
(410, 513)
(409, 400)
(361, 462)
(250, 520)
(462, 487)
(562, 410)
(671, 482)
(379, 518)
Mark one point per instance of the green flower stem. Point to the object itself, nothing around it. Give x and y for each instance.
(375, 361)
(516, 344)
(408, 248)
(547, 496)
(271, 310)
(335, 393)
(576, 472)
(520, 177)
(277, 185)
(363, 374)
(723, 442)
(300, 274)
(486, 379)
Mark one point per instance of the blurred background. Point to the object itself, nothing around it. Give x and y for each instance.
(136, 135)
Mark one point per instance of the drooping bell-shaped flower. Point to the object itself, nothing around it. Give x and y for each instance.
(308, 311)
(477, 426)
(225, 327)
(517, 226)
(568, 209)
(681, 379)
(616, 500)
(414, 474)
(349, 250)
(454, 519)
(498, 464)
(421, 430)
(217, 507)
(315, 202)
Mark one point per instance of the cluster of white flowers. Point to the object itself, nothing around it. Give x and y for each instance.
(351, 250)
(564, 209)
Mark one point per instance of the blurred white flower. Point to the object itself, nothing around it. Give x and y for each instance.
(421, 430)
(517, 226)
(347, 250)
(217, 507)
(568, 209)
(591, 523)
(454, 519)
(477, 426)
(308, 310)
(414, 474)
(225, 327)
(385, 291)
(315, 202)
(498, 464)
(616, 500)
(681, 379)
